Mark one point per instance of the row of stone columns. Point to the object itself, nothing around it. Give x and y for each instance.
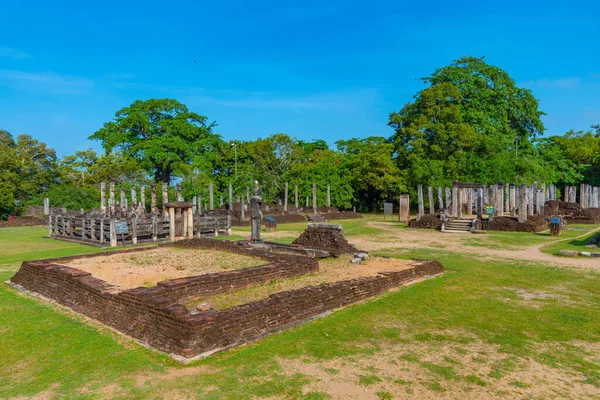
(503, 196)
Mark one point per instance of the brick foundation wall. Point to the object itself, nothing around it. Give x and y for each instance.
(154, 316)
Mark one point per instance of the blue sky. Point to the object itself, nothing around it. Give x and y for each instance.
(313, 69)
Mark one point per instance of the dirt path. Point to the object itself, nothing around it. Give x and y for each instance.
(430, 239)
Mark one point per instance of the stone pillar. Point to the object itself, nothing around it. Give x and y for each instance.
(493, 196)
(102, 199)
(454, 201)
(328, 195)
(566, 193)
(573, 194)
(420, 200)
(153, 209)
(500, 199)
(230, 196)
(506, 197)
(404, 212)
(143, 199)
(523, 206)
(237, 199)
(448, 198)
(133, 227)
(530, 203)
(538, 203)
(582, 194)
(430, 200)
(256, 215)
(469, 201)
(306, 201)
(248, 193)
(314, 193)
(211, 196)
(165, 198)
(296, 197)
(459, 206)
(111, 198)
(243, 208)
(512, 204)
(285, 197)
(122, 199)
(178, 190)
(171, 212)
(133, 198)
(113, 231)
(440, 198)
(190, 223)
(479, 203)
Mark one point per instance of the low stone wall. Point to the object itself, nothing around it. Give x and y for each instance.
(153, 315)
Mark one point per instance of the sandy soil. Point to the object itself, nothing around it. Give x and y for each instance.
(146, 268)
(408, 371)
(330, 270)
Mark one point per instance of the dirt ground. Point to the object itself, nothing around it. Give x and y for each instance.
(428, 239)
(330, 270)
(146, 268)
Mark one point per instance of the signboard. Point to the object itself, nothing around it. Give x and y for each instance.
(121, 228)
(489, 210)
(388, 209)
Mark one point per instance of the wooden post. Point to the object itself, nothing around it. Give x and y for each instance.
(171, 224)
(314, 194)
(523, 206)
(285, 197)
(113, 232)
(211, 196)
(421, 210)
(134, 227)
(165, 198)
(430, 198)
(296, 197)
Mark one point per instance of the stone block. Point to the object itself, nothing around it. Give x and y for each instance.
(567, 253)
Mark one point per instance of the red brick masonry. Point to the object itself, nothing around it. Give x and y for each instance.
(154, 315)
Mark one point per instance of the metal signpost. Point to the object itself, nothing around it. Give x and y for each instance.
(388, 209)
(122, 229)
(490, 210)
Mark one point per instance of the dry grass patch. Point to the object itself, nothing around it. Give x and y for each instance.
(146, 268)
(330, 270)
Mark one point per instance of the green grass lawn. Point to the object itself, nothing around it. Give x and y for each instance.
(477, 327)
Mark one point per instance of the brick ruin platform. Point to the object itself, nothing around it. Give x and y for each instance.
(326, 237)
(157, 317)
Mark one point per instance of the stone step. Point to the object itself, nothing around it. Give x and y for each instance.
(316, 218)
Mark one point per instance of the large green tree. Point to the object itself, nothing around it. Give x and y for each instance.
(472, 123)
(162, 135)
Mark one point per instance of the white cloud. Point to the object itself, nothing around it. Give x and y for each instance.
(45, 82)
(13, 53)
(560, 83)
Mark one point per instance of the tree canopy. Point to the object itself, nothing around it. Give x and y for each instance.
(162, 135)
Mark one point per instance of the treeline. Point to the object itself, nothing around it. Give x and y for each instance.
(470, 123)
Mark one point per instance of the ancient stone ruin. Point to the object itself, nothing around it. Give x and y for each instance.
(325, 237)
(158, 315)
